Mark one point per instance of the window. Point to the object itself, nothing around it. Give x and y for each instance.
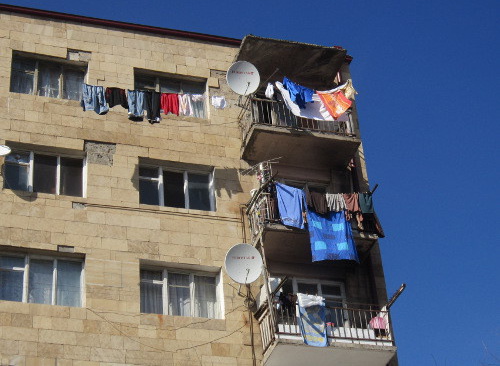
(164, 84)
(176, 188)
(48, 78)
(174, 292)
(41, 280)
(34, 172)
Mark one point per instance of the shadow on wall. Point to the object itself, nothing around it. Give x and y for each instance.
(227, 179)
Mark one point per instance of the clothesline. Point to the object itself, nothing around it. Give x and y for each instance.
(99, 99)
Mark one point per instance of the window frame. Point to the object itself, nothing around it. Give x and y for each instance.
(55, 269)
(64, 67)
(31, 166)
(164, 282)
(185, 173)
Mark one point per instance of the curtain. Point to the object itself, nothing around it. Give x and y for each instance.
(11, 280)
(16, 171)
(23, 75)
(40, 281)
(73, 81)
(179, 299)
(68, 292)
(48, 80)
(151, 292)
(205, 301)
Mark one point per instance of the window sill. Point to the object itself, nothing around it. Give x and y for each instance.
(61, 101)
(161, 320)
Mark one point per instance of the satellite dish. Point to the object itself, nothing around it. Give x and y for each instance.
(243, 263)
(243, 78)
(4, 150)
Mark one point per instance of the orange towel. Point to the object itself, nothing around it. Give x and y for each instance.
(335, 103)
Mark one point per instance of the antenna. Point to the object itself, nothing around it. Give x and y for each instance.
(4, 150)
(243, 78)
(243, 263)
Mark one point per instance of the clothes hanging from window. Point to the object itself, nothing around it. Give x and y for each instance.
(116, 96)
(352, 207)
(331, 237)
(170, 103)
(349, 90)
(335, 202)
(366, 202)
(316, 201)
(135, 99)
(291, 205)
(94, 99)
(269, 91)
(185, 105)
(299, 94)
(336, 103)
(312, 322)
(219, 102)
(152, 106)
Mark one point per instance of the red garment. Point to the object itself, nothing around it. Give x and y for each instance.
(169, 102)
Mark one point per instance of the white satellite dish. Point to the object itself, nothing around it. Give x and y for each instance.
(243, 78)
(243, 263)
(4, 150)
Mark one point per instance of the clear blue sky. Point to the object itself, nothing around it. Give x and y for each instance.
(428, 74)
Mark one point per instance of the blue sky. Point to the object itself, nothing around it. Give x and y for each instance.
(427, 74)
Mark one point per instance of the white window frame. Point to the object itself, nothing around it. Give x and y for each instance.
(31, 164)
(62, 65)
(340, 298)
(26, 268)
(164, 283)
(160, 184)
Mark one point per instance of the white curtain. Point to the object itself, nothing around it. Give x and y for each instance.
(73, 81)
(205, 305)
(179, 299)
(48, 80)
(11, 280)
(68, 291)
(40, 281)
(151, 292)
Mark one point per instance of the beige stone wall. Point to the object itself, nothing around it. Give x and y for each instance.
(109, 227)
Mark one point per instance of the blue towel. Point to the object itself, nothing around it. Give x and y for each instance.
(291, 204)
(299, 94)
(331, 237)
(312, 325)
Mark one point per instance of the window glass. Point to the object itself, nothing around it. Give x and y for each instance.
(71, 177)
(73, 80)
(145, 82)
(68, 283)
(199, 191)
(168, 86)
(23, 75)
(307, 288)
(48, 79)
(16, 171)
(148, 172)
(205, 297)
(179, 299)
(151, 292)
(148, 192)
(45, 174)
(173, 183)
(332, 290)
(11, 278)
(40, 281)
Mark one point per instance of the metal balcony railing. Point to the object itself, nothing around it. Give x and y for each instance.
(273, 113)
(355, 323)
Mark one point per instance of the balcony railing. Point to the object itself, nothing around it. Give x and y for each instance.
(263, 209)
(273, 113)
(356, 324)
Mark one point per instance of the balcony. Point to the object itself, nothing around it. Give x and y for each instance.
(358, 335)
(270, 131)
(291, 245)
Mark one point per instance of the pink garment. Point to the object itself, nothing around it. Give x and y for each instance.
(169, 102)
(378, 323)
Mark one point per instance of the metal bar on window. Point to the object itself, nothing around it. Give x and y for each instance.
(186, 189)
(30, 171)
(165, 291)
(54, 282)
(58, 175)
(25, 279)
(161, 191)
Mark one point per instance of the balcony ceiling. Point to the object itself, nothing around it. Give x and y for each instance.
(307, 64)
(300, 354)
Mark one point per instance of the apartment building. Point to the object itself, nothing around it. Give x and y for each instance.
(114, 226)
